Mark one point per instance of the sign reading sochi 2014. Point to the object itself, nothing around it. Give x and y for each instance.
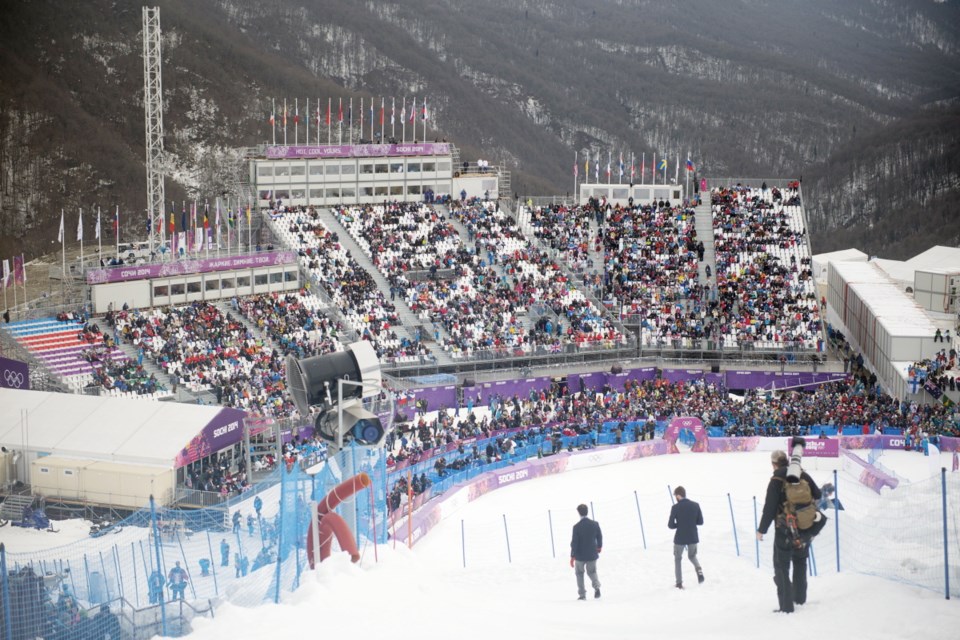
(186, 267)
(357, 150)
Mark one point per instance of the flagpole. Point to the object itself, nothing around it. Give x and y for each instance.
(329, 120)
(23, 266)
(249, 228)
(403, 120)
(393, 124)
(80, 237)
(350, 128)
(99, 240)
(116, 225)
(307, 111)
(218, 225)
(576, 168)
(273, 119)
(425, 117)
(296, 121)
(63, 248)
(6, 274)
(413, 118)
(383, 107)
(361, 122)
(340, 123)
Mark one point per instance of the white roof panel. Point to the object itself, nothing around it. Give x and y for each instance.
(100, 428)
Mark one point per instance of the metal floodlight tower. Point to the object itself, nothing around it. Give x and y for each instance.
(153, 121)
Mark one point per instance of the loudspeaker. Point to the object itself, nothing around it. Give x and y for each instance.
(616, 369)
(469, 382)
(313, 381)
(714, 368)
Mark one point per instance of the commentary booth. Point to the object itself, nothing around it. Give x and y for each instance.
(111, 452)
(183, 281)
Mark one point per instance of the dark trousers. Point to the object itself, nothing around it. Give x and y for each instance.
(795, 590)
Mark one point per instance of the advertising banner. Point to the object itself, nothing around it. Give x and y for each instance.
(357, 150)
(188, 267)
(16, 374)
(224, 430)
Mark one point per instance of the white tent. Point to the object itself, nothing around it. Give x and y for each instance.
(821, 260)
(122, 439)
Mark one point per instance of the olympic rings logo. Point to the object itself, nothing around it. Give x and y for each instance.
(14, 379)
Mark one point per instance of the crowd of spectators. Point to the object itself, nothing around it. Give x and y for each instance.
(765, 294)
(367, 310)
(201, 347)
(295, 322)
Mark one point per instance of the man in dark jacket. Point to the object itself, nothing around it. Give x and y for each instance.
(585, 548)
(685, 516)
(786, 550)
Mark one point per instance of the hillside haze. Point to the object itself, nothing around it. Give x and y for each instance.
(859, 98)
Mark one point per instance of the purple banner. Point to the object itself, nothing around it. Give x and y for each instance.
(871, 476)
(874, 442)
(187, 267)
(16, 374)
(224, 430)
(949, 444)
(818, 447)
(358, 150)
(729, 445)
(772, 379)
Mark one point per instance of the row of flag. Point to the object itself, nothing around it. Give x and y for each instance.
(15, 275)
(629, 169)
(343, 114)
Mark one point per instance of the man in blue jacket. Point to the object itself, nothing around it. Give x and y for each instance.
(685, 516)
(585, 548)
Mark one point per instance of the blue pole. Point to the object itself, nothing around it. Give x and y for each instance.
(592, 514)
(213, 565)
(183, 555)
(5, 578)
(463, 543)
(136, 583)
(640, 515)
(812, 561)
(103, 569)
(553, 547)
(73, 584)
(86, 573)
(116, 564)
(756, 527)
(733, 520)
(836, 516)
(507, 536)
(671, 494)
(156, 545)
(946, 555)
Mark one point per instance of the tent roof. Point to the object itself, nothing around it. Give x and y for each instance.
(938, 257)
(841, 256)
(99, 428)
(897, 270)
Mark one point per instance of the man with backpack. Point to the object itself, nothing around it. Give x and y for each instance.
(795, 525)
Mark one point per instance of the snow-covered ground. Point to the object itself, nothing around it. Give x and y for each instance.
(528, 587)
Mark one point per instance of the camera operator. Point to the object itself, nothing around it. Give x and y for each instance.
(785, 551)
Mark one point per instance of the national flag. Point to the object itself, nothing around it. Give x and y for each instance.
(96, 230)
(328, 112)
(6, 272)
(296, 114)
(284, 113)
(689, 164)
(413, 111)
(393, 110)
(403, 111)
(608, 168)
(272, 119)
(116, 221)
(586, 168)
(183, 217)
(340, 112)
(248, 215)
(60, 235)
(663, 164)
(19, 270)
(318, 114)
(426, 113)
(576, 169)
(230, 219)
(206, 221)
(596, 168)
(372, 111)
(621, 164)
(382, 113)
(80, 226)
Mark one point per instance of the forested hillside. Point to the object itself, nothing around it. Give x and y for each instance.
(859, 98)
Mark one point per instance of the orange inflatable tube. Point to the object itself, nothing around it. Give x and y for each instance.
(331, 524)
(343, 491)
